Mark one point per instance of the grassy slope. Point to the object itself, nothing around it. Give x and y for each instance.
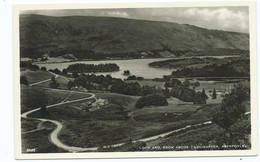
(63, 83)
(181, 63)
(39, 140)
(108, 125)
(118, 35)
(35, 75)
(34, 97)
(201, 136)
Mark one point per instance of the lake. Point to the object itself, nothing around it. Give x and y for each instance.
(137, 67)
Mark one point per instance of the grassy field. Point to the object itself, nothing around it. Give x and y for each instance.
(63, 83)
(29, 124)
(119, 120)
(34, 76)
(34, 97)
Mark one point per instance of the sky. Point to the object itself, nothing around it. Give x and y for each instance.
(221, 18)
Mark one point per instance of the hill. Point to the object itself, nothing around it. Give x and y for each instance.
(101, 37)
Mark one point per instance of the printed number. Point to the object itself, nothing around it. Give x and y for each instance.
(31, 150)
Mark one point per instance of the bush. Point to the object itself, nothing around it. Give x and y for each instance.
(126, 72)
(152, 99)
(23, 80)
(200, 98)
(43, 68)
(56, 71)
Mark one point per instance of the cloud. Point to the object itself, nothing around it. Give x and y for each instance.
(219, 18)
(222, 18)
(117, 13)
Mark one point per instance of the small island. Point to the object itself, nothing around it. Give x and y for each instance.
(88, 68)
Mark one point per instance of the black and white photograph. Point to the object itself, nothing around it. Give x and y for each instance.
(164, 80)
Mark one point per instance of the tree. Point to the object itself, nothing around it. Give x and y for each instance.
(105, 85)
(75, 74)
(233, 107)
(167, 93)
(56, 71)
(70, 84)
(199, 98)
(53, 83)
(132, 77)
(64, 71)
(196, 84)
(43, 68)
(173, 83)
(203, 91)
(183, 93)
(152, 99)
(214, 94)
(23, 80)
(186, 83)
(126, 72)
(204, 94)
(109, 77)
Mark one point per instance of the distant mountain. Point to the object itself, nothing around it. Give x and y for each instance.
(86, 36)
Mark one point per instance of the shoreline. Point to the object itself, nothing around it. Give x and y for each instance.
(118, 59)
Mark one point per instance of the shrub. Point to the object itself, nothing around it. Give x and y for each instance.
(43, 68)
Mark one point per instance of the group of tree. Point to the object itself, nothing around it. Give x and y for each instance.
(172, 82)
(133, 88)
(133, 77)
(233, 106)
(183, 91)
(151, 99)
(231, 116)
(200, 97)
(29, 65)
(88, 68)
(234, 68)
(56, 71)
(126, 72)
(115, 85)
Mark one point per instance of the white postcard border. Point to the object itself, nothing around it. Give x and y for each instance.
(253, 82)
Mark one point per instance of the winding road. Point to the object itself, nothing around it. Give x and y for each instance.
(54, 135)
(43, 81)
